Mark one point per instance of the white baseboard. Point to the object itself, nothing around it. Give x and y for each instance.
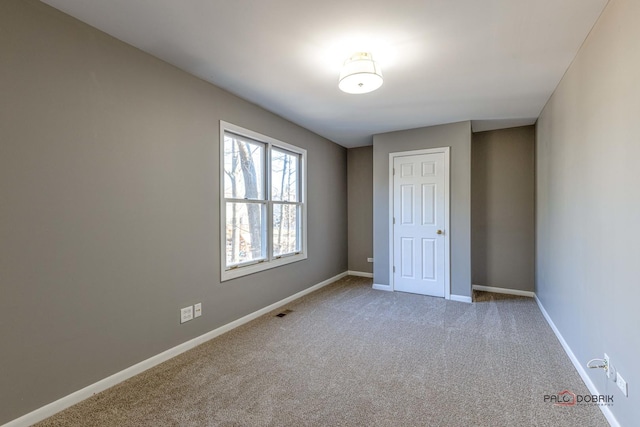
(606, 411)
(380, 287)
(504, 291)
(359, 274)
(80, 395)
(460, 298)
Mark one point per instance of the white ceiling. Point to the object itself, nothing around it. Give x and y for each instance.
(495, 62)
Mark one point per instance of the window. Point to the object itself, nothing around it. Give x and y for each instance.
(262, 210)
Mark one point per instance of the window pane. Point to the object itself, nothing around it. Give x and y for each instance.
(284, 176)
(244, 232)
(243, 168)
(285, 229)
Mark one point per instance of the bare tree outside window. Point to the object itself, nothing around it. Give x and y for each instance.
(244, 184)
(285, 193)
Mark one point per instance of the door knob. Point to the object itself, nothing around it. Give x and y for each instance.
(440, 232)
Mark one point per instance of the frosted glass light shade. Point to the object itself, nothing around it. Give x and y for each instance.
(360, 74)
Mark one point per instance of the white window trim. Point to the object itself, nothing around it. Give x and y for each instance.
(270, 262)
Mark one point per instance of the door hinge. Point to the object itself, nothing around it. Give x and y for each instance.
(394, 171)
(394, 220)
(394, 268)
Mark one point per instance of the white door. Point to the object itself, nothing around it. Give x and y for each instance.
(420, 239)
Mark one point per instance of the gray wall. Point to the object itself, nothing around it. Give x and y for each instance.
(588, 203)
(458, 137)
(360, 207)
(503, 208)
(109, 207)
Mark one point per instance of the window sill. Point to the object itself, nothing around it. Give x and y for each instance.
(262, 266)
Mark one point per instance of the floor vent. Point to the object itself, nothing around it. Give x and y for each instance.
(284, 313)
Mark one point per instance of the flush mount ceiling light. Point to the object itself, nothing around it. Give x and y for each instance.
(360, 74)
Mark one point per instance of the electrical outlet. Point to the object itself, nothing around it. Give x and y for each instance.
(622, 384)
(197, 310)
(369, 259)
(607, 364)
(186, 314)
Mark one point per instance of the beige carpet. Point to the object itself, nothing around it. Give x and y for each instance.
(351, 356)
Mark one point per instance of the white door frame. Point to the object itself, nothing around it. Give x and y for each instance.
(447, 168)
